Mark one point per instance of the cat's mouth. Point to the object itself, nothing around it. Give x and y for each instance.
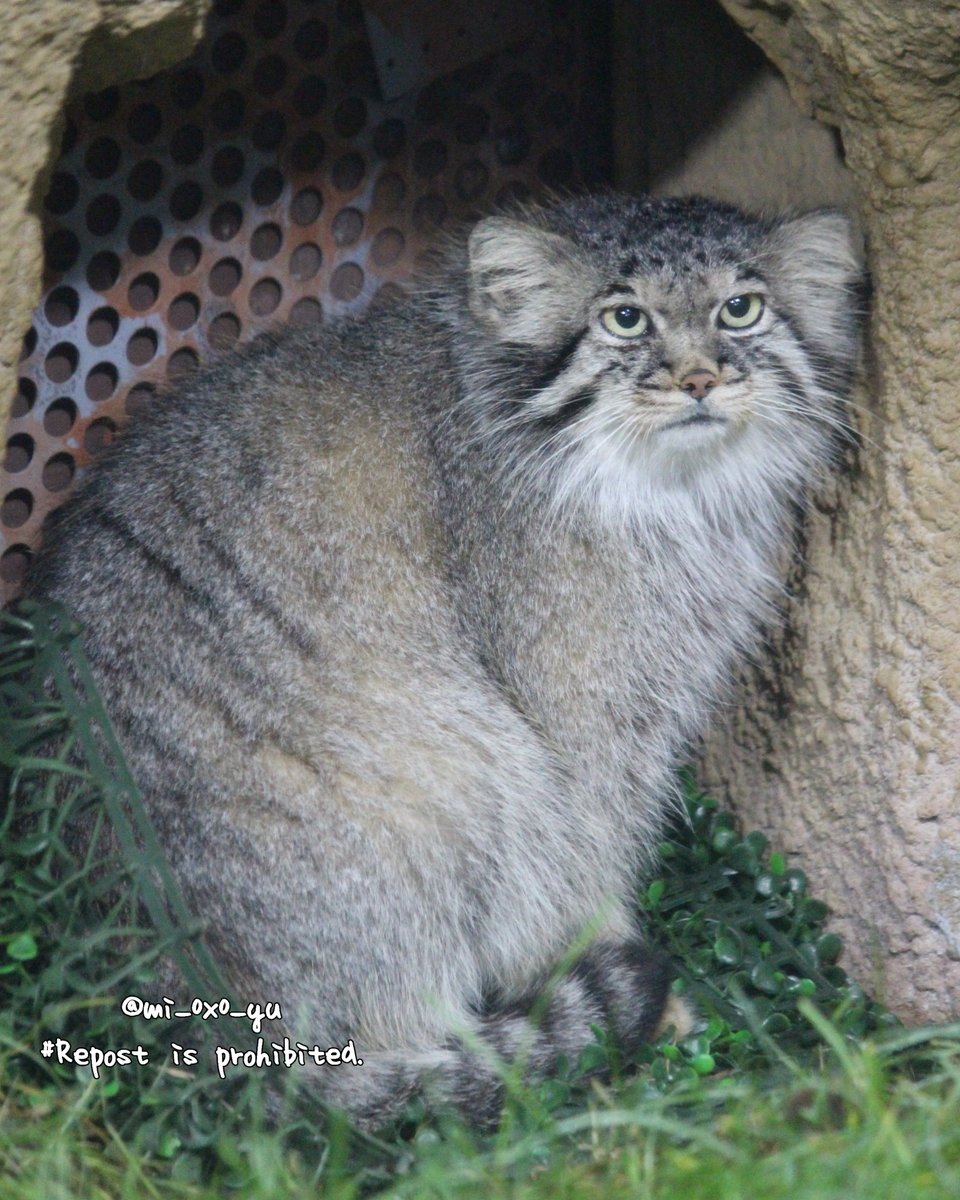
(697, 418)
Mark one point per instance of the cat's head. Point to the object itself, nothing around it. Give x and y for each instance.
(661, 344)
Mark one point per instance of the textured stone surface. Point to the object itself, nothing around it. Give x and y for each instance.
(846, 747)
(50, 49)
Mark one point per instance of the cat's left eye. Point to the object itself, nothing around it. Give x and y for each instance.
(740, 312)
(625, 320)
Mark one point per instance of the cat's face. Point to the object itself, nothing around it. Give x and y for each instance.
(663, 344)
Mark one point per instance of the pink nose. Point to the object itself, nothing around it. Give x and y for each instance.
(698, 383)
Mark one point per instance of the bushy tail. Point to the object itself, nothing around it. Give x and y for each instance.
(624, 988)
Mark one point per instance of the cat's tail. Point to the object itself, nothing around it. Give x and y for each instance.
(624, 988)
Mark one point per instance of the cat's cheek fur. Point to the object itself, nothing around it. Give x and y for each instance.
(404, 697)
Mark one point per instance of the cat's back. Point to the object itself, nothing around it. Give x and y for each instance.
(282, 457)
(242, 548)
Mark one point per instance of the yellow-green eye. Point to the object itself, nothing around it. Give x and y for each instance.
(625, 320)
(740, 312)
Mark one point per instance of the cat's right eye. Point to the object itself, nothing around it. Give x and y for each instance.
(625, 320)
(741, 312)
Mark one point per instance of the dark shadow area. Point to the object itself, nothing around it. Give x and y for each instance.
(680, 64)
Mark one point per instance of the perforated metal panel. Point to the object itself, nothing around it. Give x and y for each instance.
(264, 181)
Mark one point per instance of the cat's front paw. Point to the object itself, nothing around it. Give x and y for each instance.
(679, 1015)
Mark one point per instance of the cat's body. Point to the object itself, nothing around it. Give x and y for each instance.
(403, 623)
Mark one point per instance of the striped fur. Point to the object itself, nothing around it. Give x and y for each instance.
(404, 623)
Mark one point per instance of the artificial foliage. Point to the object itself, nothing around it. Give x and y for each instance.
(750, 942)
(85, 918)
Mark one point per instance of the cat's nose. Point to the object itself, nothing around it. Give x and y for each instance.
(698, 383)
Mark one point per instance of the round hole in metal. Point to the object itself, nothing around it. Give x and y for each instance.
(101, 382)
(183, 311)
(143, 291)
(185, 256)
(60, 416)
(61, 305)
(57, 473)
(19, 454)
(61, 362)
(142, 347)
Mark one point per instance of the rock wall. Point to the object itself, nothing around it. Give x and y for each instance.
(846, 746)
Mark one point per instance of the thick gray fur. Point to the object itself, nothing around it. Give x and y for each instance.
(404, 623)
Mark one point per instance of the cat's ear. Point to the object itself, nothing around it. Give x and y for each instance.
(526, 283)
(820, 275)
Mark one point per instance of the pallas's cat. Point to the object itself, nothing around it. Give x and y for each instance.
(403, 623)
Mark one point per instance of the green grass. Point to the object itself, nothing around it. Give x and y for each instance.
(798, 1084)
(871, 1123)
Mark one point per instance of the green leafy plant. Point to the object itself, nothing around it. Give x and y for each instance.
(751, 944)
